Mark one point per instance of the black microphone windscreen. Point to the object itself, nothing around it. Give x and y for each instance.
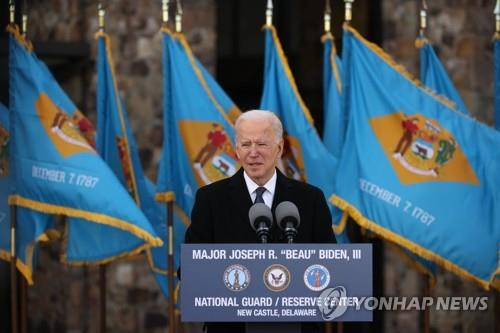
(287, 211)
(259, 212)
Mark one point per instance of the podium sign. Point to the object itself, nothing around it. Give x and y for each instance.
(276, 282)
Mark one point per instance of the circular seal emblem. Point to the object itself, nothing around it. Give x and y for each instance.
(236, 277)
(316, 277)
(276, 277)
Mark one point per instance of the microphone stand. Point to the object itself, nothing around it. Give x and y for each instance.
(290, 232)
(262, 232)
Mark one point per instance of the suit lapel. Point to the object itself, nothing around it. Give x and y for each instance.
(239, 195)
(282, 190)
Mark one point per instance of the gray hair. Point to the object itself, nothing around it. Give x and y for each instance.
(261, 115)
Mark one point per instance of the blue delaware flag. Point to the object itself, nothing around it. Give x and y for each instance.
(32, 227)
(434, 76)
(304, 155)
(198, 133)
(497, 82)
(119, 149)
(55, 170)
(335, 124)
(335, 121)
(420, 174)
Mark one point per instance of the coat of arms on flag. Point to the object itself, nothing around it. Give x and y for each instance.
(62, 132)
(210, 150)
(421, 150)
(85, 127)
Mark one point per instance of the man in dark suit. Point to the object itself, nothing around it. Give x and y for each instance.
(220, 212)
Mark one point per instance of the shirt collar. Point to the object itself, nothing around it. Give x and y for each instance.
(252, 186)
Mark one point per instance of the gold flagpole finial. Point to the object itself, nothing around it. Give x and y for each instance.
(178, 17)
(328, 17)
(164, 10)
(497, 17)
(269, 13)
(101, 13)
(12, 11)
(24, 26)
(348, 10)
(423, 17)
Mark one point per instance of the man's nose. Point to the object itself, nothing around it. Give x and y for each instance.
(254, 150)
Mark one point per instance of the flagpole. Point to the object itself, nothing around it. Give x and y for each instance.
(348, 11)
(327, 20)
(170, 204)
(102, 298)
(13, 258)
(13, 271)
(165, 12)
(102, 267)
(24, 304)
(496, 324)
(423, 18)
(178, 16)
(327, 24)
(425, 314)
(21, 281)
(347, 20)
(170, 262)
(24, 24)
(269, 13)
(327, 17)
(496, 12)
(12, 11)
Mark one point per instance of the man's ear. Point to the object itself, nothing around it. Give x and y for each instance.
(236, 151)
(280, 147)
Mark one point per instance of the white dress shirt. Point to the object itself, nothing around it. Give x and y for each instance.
(268, 194)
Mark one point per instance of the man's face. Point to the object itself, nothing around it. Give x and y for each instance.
(257, 149)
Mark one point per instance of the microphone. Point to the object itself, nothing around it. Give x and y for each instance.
(261, 220)
(287, 215)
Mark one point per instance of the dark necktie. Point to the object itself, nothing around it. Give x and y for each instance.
(258, 197)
